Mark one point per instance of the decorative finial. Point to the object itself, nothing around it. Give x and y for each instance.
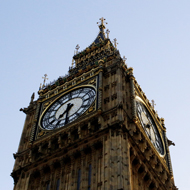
(40, 86)
(124, 59)
(107, 32)
(153, 103)
(32, 98)
(73, 62)
(102, 23)
(115, 42)
(77, 48)
(44, 79)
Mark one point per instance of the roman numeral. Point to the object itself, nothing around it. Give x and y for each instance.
(84, 106)
(77, 114)
(86, 99)
(58, 122)
(84, 95)
(52, 121)
(59, 101)
(70, 96)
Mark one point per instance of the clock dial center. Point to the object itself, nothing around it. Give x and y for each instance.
(73, 104)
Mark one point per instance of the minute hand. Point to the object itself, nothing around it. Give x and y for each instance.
(69, 106)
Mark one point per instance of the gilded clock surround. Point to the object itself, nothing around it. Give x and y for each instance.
(137, 98)
(48, 100)
(90, 109)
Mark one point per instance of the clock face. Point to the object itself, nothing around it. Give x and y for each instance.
(67, 108)
(149, 127)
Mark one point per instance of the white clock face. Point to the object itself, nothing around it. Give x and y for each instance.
(67, 108)
(77, 103)
(149, 127)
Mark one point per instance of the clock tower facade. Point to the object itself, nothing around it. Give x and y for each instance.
(93, 129)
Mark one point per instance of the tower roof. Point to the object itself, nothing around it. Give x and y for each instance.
(98, 40)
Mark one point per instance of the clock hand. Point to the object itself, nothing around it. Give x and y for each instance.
(69, 106)
(147, 126)
(58, 122)
(61, 115)
(66, 118)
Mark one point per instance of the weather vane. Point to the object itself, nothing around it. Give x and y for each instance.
(45, 78)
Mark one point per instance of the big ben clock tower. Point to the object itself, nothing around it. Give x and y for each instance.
(93, 129)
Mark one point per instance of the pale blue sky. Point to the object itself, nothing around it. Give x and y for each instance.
(39, 36)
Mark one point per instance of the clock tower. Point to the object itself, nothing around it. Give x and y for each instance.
(93, 129)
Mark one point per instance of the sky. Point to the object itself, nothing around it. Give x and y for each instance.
(39, 37)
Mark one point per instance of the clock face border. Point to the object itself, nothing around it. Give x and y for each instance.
(59, 97)
(138, 99)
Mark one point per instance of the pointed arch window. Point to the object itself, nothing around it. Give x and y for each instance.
(89, 176)
(79, 179)
(48, 186)
(58, 184)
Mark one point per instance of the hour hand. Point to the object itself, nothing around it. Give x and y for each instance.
(61, 115)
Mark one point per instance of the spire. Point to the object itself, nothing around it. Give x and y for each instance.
(98, 40)
(101, 36)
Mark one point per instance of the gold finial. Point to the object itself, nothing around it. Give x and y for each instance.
(77, 48)
(44, 79)
(73, 62)
(162, 120)
(153, 103)
(102, 22)
(40, 85)
(107, 32)
(115, 42)
(32, 98)
(124, 59)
